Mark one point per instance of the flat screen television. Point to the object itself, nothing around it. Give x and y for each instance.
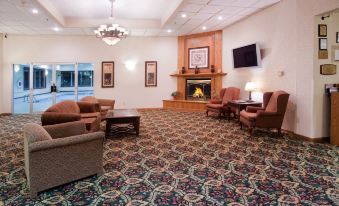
(247, 56)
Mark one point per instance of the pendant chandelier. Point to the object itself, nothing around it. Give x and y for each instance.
(111, 34)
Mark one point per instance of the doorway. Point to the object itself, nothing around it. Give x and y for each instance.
(32, 85)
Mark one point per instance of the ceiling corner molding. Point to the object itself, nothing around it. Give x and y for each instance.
(171, 11)
(48, 6)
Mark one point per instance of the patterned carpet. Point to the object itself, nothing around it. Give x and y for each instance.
(184, 158)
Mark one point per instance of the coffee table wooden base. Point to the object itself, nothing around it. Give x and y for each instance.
(122, 121)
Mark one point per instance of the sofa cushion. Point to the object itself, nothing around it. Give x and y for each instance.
(89, 115)
(248, 115)
(36, 133)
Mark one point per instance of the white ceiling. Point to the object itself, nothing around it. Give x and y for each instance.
(140, 17)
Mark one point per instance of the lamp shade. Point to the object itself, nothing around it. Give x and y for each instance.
(251, 86)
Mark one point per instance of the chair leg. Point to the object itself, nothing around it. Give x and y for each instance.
(206, 113)
(279, 132)
(250, 129)
(240, 125)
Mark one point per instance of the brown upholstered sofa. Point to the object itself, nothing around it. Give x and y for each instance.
(271, 115)
(220, 107)
(69, 111)
(62, 153)
(103, 105)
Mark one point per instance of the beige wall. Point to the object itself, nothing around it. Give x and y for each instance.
(285, 33)
(321, 103)
(129, 90)
(1, 72)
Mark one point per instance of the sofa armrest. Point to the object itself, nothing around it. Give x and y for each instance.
(67, 141)
(106, 102)
(50, 118)
(252, 109)
(66, 129)
(86, 107)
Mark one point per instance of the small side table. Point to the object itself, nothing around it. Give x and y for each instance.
(122, 116)
(239, 105)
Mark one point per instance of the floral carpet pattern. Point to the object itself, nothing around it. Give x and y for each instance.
(183, 158)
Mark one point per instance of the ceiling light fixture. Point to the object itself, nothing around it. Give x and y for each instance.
(169, 30)
(35, 11)
(56, 28)
(111, 34)
(204, 28)
(183, 15)
(220, 18)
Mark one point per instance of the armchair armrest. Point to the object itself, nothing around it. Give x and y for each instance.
(215, 101)
(67, 141)
(106, 102)
(49, 118)
(264, 113)
(66, 129)
(86, 107)
(252, 109)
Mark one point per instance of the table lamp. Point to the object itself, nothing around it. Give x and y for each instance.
(250, 87)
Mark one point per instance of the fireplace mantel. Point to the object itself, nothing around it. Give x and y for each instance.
(199, 75)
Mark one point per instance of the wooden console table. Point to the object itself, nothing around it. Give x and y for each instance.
(335, 118)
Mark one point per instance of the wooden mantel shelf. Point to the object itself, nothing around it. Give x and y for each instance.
(199, 75)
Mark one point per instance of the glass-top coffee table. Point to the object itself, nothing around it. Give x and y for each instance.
(120, 121)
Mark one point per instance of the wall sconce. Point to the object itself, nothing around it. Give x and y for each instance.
(130, 65)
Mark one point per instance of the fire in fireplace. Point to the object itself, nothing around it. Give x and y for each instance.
(198, 89)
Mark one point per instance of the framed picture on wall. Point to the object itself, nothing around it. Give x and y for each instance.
(322, 30)
(322, 44)
(151, 74)
(198, 57)
(337, 37)
(107, 78)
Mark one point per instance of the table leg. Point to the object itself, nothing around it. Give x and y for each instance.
(108, 127)
(137, 125)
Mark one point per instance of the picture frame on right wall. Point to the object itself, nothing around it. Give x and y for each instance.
(151, 73)
(323, 44)
(337, 37)
(322, 30)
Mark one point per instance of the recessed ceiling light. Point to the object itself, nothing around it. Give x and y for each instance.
(183, 15)
(204, 28)
(169, 30)
(35, 11)
(220, 18)
(56, 28)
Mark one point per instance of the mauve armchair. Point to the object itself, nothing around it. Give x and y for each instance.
(220, 107)
(271, 115)
(59, 154)
(102, 105)
(69, 111)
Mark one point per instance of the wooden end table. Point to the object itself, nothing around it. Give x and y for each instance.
(122, 116)
(239, 105)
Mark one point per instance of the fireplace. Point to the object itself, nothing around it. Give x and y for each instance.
(198, 89)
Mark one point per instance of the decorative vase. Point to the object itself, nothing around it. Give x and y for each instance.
(196, 70)
(183, 70)
(212, 69)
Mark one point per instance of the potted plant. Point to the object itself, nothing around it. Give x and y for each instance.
(175, 94)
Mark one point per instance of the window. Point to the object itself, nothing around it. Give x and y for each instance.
(26, 78)
(67, 78)
(85, 78)
(39, 79)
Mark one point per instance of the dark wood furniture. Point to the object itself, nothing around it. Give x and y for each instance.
(335, 118)
(128, 117)
(239, 105)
